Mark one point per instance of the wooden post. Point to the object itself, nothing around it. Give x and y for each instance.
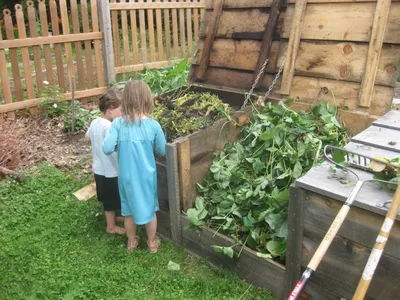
(208, 43)
(185, 179)
(293, 46)
(374, 52)
(107, 42)
(295, 239)
(173, 193)
(267, 39)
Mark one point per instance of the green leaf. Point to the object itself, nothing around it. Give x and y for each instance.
(274, 220)
(339, 156)
(276, 248)
(282, 232)
(173, 266)
(225, 250)
(297, 170)
(285, 174)
(264, 255)
(199, 203)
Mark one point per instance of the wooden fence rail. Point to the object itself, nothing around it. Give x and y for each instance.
(142, 32)
(46, 43)
(37, 49)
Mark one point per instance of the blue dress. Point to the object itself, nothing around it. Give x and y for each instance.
(137, 178)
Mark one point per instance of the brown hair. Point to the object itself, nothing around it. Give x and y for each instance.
(110, 99)
(137, 100)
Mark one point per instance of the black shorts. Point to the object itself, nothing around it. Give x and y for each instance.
(107, 192)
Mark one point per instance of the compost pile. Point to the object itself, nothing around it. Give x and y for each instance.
(245, 195)
(184, 114)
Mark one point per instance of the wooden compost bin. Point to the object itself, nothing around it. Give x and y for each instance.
(340, 51)
(188, 160)
(314, 203)
(333, 51)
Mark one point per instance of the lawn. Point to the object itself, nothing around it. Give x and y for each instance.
(54, 247)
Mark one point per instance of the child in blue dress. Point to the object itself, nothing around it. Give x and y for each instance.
(137, 137)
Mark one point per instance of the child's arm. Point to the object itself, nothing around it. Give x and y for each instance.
(160, 141)
(111, 140)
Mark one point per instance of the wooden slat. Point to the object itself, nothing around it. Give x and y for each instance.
(57, 48)
(252, 23)
(78, 47)
(175, 31)
(173, 193)
(267, 39)
(88, 44)
(343, 22)
(143, 42)
(182, 31)
(167, 31)
(125, 36)
(390, 120)
(160, 44)
(97, 46)
(384, 138)
(36, 102)
(141, 67)
(135, 41)
(325, 59)
(36, 50)
(68, 47)
(189, 31)
(242, 4)
(374, 51)
(116, 39)
(306, 88)
(5, 81)
(336, 1)
(196, 23)
(58, 39)
(152, 42)
(19, 94)
(211, 34)
(293, 46)
(185, 176)
(261, 272)
(45, 33)
(202, 11)
(25, 54)
(156, 5)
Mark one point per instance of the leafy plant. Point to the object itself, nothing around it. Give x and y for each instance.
(188, 113)
(387, 173)
(246, 192)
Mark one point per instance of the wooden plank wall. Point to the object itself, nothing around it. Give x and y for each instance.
(47, 43)
(331, 60)
(156, 34)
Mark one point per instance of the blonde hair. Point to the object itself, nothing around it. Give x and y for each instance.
(137, 100)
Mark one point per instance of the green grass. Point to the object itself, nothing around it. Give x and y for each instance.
(54, 247)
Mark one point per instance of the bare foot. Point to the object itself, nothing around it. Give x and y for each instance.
(119, 219)
(116, 230)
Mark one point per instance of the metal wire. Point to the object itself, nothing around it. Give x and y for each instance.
(255, 83)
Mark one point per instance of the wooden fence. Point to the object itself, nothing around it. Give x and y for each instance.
(149, 34)
(47, 44)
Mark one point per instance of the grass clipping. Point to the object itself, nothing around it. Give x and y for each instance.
(189, 113)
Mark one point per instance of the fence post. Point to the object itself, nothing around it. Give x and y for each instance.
(107, 42)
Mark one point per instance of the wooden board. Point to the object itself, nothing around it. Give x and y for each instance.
(44, 24)
(330, 60)
(5, 81)
(78, 45)
(342, 266)
(88, 44)
(371, 196)
(390, 120)
(258, 271)
(97, 44)
(135, 41)
(116, 39)
(86, 192)
(343, 22)
(370, 150)
(143, 41)
(388, 139)
(341, 93)
(361, 226)
(125, 36)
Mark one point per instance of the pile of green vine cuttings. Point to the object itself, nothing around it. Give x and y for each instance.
(183, 115)
(245, 195)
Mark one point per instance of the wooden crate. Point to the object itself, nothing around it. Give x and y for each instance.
(189, 158)
(343, 52)
(317, 198)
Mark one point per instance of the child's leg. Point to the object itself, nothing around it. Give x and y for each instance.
(111, 226)
(151, 230)
(130, 228)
